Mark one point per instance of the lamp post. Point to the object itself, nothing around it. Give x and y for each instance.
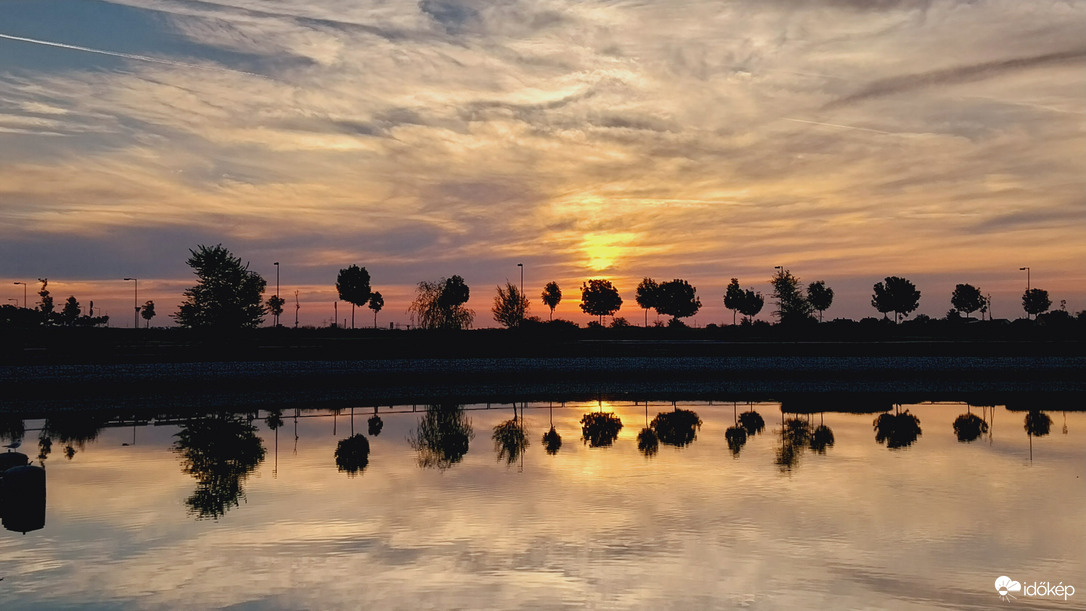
(135, 301)
(277, 292)
(24, 293)
(521, 266)
(1025, 269)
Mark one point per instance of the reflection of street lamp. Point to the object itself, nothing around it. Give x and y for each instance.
(277, 292)
(24, 293)
(135, 301)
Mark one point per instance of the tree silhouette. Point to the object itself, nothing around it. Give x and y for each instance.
(510, 306)
(442, 436)
(1037, 423)
(552, 295)
(376, 302)
(648, 443)
(677, 299)
(440, 305)
(792, 306)
(896, 295)
(226, 296)
(353, 454)
(600, 298)
(820, 297)
(648, 296)
(70, 312)
(821, 438)
(45, 302)
(752, 422)
(1036, 301)
(795, 437)
(750, 305)
(736, 436)
(353, 285)
(374, 425)
(275, 306)
(148, 312)
(552, 441)
(220, 452)
(967, 298)
(733, 297)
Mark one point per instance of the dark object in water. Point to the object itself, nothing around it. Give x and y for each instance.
(752, 422)
(897, 430)
(737, 438)
(22, 504)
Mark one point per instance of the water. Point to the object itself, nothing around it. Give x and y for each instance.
(930, 525)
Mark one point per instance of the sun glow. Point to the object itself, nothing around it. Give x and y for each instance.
(603, 250)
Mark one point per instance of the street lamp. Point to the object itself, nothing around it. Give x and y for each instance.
(24, 293)
(1025, 269)
(521, 266)
(277, 296)
(135, 301)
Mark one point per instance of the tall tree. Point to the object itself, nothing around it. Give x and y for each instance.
(440, 305)
(552, 296)
(376, 303)
(71, 311)
(967, 298)
(733, 297)
(510, 306)
(600, 298)
(275, 306)
(792, 306)
(647, 296)
(1036, 301)
(353, 284)
(226, 296)
(677, 299)
(820, 297)
(148, 312)
(45, 301)
(896, 295)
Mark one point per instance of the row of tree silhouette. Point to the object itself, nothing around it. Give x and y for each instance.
(228, 295)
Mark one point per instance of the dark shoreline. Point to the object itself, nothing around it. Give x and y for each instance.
(264, 384)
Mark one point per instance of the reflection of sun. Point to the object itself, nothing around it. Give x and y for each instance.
(601, 250)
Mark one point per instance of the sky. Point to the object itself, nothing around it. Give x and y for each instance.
(844, 140)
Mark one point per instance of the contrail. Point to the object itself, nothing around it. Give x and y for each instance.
(864, 129)
(132, 56)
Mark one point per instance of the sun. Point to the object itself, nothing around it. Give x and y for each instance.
(602, 250)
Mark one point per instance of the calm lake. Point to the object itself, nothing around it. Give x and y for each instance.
(251, 511)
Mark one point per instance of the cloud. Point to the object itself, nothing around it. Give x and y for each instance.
(956, 75)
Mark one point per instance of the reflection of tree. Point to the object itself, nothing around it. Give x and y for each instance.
(968, 427)
(821, 438)
(374, 425)
(752, 422)
(73, 429)
(647, 442)
(736, 437)
(219, 451)
(353, 454)
(897, 430)
(795, 435)
(552, 441)
(442, 436)
(600, 429)
(11, 428)
(1037, 423)
(510, 440)
(678, 427)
